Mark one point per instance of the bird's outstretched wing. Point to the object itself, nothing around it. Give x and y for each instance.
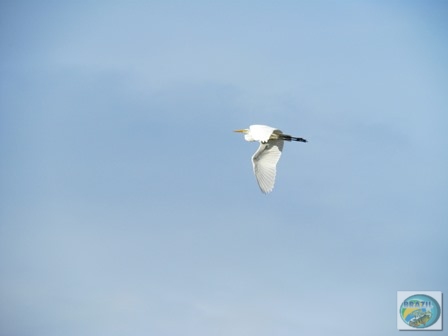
(265, 162)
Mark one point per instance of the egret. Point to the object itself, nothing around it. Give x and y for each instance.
(265, 159)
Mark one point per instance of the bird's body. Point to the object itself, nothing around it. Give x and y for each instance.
(265, 159)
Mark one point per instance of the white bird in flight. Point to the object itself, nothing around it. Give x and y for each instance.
(265, 159)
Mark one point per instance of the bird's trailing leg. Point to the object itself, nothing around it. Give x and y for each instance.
(291, 138)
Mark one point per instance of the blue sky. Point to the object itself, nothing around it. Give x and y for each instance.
(128, 205)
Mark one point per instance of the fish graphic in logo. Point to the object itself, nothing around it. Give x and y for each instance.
(420, 311)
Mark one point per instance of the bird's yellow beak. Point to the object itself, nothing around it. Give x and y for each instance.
(240, 131)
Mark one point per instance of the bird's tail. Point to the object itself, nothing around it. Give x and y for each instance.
(291, 138)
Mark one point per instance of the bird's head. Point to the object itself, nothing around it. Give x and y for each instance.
(246, 132)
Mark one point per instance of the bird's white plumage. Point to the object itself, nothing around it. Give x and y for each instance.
(261, 132)
(265, 159)
(264, 162)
